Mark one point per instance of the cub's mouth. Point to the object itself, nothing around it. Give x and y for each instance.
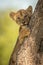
(22, 22)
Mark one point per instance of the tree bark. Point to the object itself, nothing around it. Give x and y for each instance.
(31, 51)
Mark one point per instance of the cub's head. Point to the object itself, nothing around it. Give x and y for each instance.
(22, 17)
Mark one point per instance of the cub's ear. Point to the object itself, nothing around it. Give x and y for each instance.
(29, 10)
(12, 14)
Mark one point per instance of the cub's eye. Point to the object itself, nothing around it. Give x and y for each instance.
(18, 17)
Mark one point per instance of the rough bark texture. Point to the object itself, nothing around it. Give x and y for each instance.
(31, 51)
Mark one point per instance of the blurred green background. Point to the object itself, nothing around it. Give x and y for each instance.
(8, 36)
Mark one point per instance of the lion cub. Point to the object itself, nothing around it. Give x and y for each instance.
(22, 18)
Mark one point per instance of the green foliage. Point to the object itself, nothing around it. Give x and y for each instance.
(8, 36)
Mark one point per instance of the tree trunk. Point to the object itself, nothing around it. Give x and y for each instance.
(31, 51)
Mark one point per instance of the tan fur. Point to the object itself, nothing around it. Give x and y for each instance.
(22, 18)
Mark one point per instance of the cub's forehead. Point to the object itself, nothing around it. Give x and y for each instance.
(21, 12)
